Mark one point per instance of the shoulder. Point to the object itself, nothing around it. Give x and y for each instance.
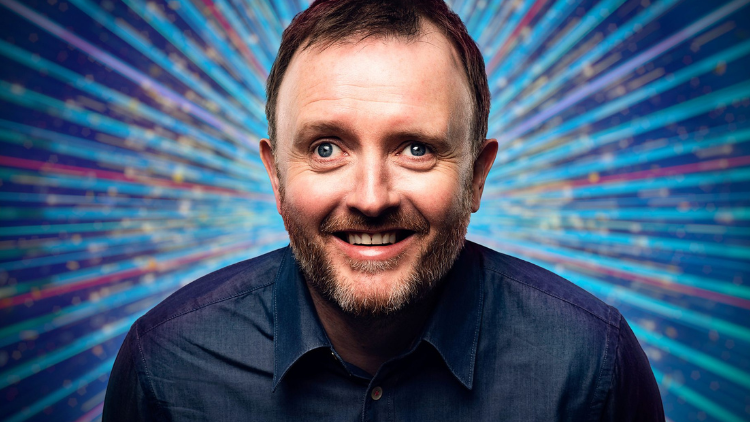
(543, 287)
(231, 282)
(531, 314)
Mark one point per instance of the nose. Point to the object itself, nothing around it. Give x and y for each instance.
(372, 194)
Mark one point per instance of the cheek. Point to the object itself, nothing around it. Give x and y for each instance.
(435, 194)
(313, 195)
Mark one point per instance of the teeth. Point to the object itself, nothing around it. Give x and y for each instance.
(372, 239)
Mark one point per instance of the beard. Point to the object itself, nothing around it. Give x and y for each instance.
(434, 258)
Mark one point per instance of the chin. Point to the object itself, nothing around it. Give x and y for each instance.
(376, 280)
(378, 288)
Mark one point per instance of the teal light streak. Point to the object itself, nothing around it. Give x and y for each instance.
(539, 32)
(104, 368)
(591, 20)
(593, 239)
(675, 181)
(664, 117)
(695, 399)
(653, 89)
(143, 46)
(605, 291)
(166, 283)
(102, 123)
(675, 146)
(26, 369)
(140, 262)
(252, 100)
(114, 156)
(699, 359)
(625, 31)
(198, 22)
(144, 225)
(127, 103)
(559, 253)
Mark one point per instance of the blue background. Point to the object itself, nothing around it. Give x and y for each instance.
(128, 167)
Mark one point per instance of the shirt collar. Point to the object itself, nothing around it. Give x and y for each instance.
(453, 329)
(297, 329)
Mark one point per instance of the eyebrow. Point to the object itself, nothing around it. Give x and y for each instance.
(316, 129)
(320, 128)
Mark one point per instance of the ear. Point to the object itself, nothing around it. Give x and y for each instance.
(482, 167)
(266, 155)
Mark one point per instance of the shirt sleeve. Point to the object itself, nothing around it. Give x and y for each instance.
(634, 395)
(126, 399)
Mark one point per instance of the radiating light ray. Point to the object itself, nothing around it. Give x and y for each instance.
(627, 67)
(512, 28)
(649, 91)
(74, 313)
(143, 46)
(593, 18)
(116, 156)
(639, 125)
(128, 71)
(49, 287)
(127, 103)
(540, 32)
(585, 61)
(41, 363)
(250, 98)
(674, 313)
(197, 21)
(700, 359)
(688, 394)
(624, 268)
(114, 127)
(675, 146)
(26, 413)
(129, 166)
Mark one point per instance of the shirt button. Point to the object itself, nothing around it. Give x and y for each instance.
(377, 393)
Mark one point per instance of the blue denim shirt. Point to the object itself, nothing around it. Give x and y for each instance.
(507, 341)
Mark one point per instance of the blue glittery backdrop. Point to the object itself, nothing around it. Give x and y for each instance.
(128, 167)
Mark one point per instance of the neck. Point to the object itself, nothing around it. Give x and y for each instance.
(368, 342)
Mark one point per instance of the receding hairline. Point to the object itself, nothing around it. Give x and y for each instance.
(425, 28)
(328, 22)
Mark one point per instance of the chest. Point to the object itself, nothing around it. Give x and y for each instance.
(513, 387)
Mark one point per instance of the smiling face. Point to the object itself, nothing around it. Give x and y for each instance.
(373, 169)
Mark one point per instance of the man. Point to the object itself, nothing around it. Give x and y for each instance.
(379, 309)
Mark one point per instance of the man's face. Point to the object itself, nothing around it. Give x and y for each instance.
(373, 170)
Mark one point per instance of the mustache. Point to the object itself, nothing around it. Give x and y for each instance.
(397, 219)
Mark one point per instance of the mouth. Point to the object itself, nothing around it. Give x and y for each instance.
(382, 238)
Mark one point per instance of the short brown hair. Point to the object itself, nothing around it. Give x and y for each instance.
(329, 21)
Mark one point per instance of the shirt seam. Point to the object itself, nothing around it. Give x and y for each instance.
(480, 311)
(274, 379)
(552, 295)
(242, 293)
(595, 400)
(150, 384)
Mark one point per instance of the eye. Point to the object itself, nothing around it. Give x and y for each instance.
(327, 150)
(416, 149)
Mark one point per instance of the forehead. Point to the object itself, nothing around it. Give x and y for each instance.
(377, 83)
